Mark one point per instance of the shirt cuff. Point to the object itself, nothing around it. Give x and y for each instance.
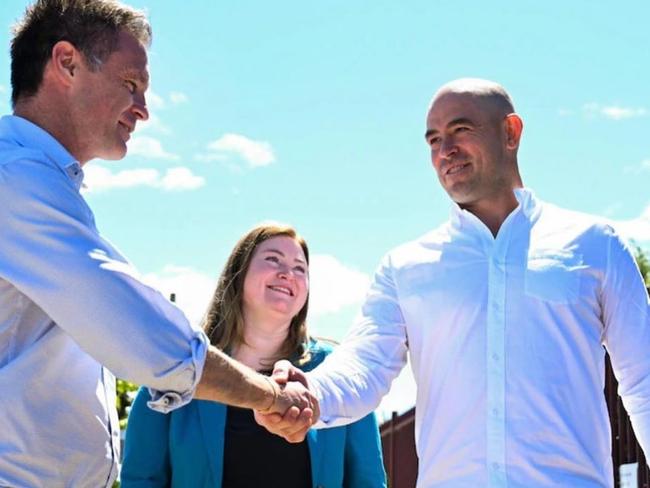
(189, 370)
(325, 402)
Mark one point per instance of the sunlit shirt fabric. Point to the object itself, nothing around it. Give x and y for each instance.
(70, 303)
(505, 337)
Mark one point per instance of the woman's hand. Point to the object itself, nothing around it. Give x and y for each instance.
(295, 409)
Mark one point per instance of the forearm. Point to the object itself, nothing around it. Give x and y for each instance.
(626, 313)
(227, 381)
(351, 384)
(352, 380)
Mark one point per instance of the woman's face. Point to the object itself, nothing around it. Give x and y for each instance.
(277, 281)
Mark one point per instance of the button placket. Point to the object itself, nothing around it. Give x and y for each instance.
(495, 366)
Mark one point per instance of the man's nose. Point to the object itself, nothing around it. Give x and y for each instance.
(140, 108)
(447, 147)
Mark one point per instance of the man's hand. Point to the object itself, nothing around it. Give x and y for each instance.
(302, 411)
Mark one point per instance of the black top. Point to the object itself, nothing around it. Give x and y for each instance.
(253, 457)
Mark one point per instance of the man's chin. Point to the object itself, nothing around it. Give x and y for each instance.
(461, 194)
(114, 154)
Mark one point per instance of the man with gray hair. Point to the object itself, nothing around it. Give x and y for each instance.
(504, 310)
(71, 306)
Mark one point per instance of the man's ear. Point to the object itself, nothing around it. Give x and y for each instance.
(513, 127)
(64, 62)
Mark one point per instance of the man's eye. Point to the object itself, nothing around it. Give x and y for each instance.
(272, 259)
(434, 141)
(300, 269)
(131, 86)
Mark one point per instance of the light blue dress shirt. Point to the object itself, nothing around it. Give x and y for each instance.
(506, 339)
(73, 312)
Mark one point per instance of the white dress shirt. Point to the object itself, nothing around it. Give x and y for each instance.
(506, 339)
(71, 309)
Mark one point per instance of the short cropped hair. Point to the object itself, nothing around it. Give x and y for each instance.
(92, 26)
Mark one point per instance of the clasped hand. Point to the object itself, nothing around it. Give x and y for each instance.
(295, 409)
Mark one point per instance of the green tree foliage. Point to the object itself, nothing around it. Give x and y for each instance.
(125, 394)
(643, 261)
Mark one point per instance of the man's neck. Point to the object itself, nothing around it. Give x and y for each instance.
(493, 211)
(53, 120)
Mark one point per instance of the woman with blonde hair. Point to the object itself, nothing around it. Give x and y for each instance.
(257, 315)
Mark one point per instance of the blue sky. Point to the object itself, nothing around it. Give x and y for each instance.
(313, 114)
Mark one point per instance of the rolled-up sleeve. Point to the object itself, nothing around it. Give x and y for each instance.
(626, 315)
(52, 253)
(352, 380)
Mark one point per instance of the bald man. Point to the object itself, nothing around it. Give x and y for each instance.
(504, 310)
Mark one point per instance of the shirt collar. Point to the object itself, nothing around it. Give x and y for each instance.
(29, 135)
(529, 205)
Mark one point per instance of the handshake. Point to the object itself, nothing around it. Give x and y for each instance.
(294, 409)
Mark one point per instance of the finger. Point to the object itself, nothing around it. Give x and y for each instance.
(282, 371)
(298, 375)
(291, 415)
(267, 419)
(302, 422)
(298, 431)
(297, 437)
(315, 407)
(293, 421)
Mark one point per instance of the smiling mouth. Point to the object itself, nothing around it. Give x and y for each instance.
(457, 168)
(128, 128)
(282, 289)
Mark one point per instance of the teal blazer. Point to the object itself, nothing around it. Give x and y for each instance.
(185, 447)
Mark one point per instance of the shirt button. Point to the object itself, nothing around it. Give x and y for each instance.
(495, 357)
(495, 466)
(495, 411)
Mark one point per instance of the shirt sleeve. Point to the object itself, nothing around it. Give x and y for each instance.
(52, 253)
(627, 335)
(352, 380)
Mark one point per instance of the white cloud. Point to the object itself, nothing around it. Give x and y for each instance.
(254, 153)
(99, 178)
(155, 104)
(155, 101)
(618, 113)
(642, 167)
(181, 178)
(193, 289)
(614, 112)
(611, 209)
(177, 97)
(334, 285)
(637, 229)
(148, 147)
(152, 124)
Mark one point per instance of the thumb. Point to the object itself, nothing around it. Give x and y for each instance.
(282, 372)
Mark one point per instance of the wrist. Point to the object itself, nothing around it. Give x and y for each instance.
(275, 392)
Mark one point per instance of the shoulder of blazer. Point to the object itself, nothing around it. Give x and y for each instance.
(319, 349)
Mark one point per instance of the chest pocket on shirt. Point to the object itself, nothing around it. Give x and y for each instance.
(553, 276)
